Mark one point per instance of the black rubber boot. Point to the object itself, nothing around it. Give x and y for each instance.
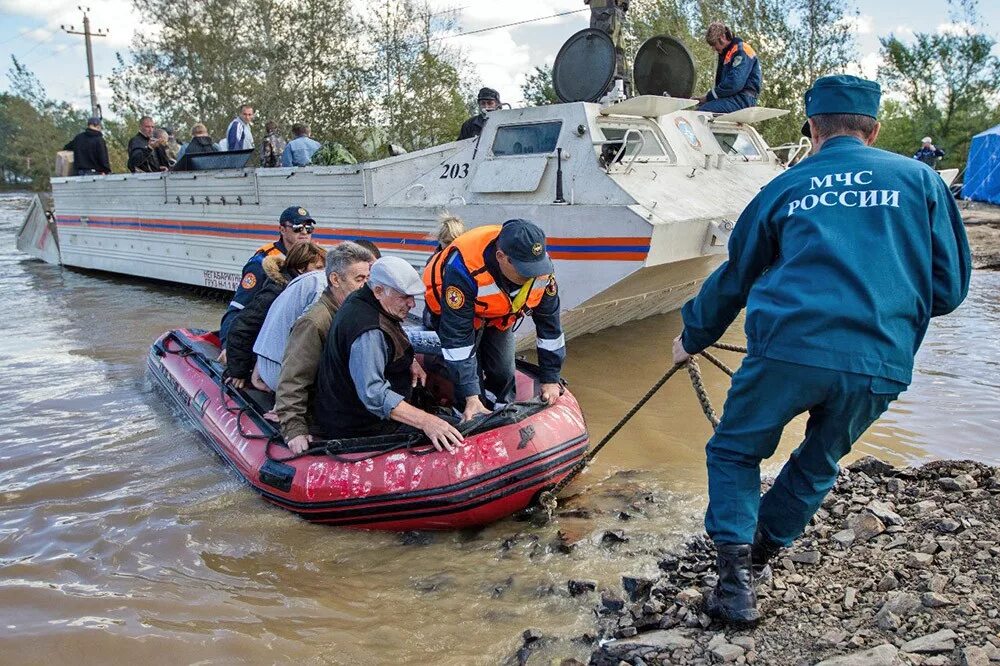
(761, 553)
(734, 600)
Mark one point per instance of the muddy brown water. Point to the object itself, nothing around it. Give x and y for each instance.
(122, 537)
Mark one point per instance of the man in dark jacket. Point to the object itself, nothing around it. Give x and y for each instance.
(368, 368)
(146, 153)
(489, 100)
(929, 154)
(90, 153)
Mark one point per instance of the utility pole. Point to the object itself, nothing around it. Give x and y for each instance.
(95, 108)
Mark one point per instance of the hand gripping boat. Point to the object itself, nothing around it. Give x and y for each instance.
(396, 482)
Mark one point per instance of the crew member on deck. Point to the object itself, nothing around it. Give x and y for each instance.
(609, 17)
(489, 100)
(478, 288)
(840, 263)
(737, 74)
(294, 226)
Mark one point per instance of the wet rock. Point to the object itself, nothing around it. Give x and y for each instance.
(636, 588)
(501, 588)
(612, 538)
(578, 587)
(939, 641)
(532, 635)
(611, 601)
(935, 600)
(663, 639)
(883, 655)
(416, 538)
(434, 582)
(866, 526)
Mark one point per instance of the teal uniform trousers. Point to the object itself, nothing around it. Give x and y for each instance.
(765, 395)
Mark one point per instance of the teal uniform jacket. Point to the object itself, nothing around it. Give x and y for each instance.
(840, 262)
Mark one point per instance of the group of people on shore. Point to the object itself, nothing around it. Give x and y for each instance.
(154, 149)
(320, 330)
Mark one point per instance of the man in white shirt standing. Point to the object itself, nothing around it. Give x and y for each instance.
(239, 136)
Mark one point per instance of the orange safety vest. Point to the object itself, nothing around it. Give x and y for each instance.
(268, 249)
(736, 47)
(494, 307)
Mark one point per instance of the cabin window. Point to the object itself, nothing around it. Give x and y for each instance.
(526, 139)
(737, 143)
(648, 145)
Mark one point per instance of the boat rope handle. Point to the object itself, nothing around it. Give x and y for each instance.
(548, 500)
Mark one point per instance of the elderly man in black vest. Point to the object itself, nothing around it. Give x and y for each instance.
(368, 369)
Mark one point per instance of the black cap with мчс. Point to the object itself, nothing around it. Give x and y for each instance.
(524, 243)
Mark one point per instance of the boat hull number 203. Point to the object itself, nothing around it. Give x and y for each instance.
(455, 170)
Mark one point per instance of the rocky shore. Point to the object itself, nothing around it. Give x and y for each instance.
(900, 566)
(982, 225)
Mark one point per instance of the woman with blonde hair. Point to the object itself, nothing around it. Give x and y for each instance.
(451, 227)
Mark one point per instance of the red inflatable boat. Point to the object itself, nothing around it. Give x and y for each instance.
(396, 482)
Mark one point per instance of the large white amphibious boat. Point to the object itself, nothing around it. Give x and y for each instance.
(637, 199)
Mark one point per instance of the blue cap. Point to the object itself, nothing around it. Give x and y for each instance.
(524, 243)
(843, 94)
(295, 215)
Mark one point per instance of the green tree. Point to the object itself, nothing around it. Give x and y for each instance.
(293, 60)
(33, 128)
(537, 88)
(947, 88)
(420, 83)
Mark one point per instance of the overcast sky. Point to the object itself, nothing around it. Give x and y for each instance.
(30, 30)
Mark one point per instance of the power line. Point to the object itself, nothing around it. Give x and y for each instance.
(493, 27)
(510, 25)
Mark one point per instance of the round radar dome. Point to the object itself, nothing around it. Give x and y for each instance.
(664, 66)
(585, 67)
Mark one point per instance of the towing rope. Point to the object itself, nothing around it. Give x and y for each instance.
(548, 500)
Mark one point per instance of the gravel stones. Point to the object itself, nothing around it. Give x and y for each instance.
(939, 641)
(895, 569)
(883, 655)
(578, 587)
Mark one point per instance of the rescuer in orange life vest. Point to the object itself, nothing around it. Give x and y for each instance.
(478, 288)
(294, 226)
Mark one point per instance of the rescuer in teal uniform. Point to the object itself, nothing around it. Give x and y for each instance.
(840, 262)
